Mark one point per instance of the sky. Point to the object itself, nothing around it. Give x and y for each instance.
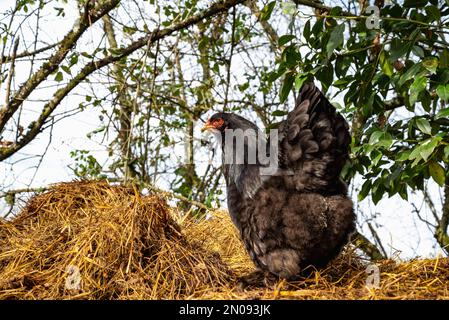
(404, 236)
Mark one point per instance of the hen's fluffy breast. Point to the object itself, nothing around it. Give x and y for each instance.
(284, 231)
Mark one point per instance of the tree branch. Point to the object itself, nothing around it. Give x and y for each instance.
(5, 59)
(394, 103)
(11, 72)
(441, 231)
(35, 127)
(317, 5)
(271, 33)
(69, 41)
(125, 116)
(361, 242)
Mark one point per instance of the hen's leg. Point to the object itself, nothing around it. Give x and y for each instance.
(257, 279)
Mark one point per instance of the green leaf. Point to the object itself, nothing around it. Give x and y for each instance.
(443, 92)
(336, 11)
(414, 3)
(74, 59)
(431, 64)
(427, 148)
(423, 125)
(444, 58)
(59, 77)
(416, 88)
(66, 70)
(375, 137)
(415, 153)
(418, 51)
(375, 156)
(285, 39)
(279, 113)
(380, 139)
(306, 31)
(385, 64)
(86, 55)
(403, 192)
(366, 188)
(377, 192)
(286, 87)
(410, 73)
(266, 12)
(437, 173)
(385, 140)
(336, 39)
(288, 8)
(433, 12)
(398, 49)
(292, 56)
(443, 113)
(446, 152)
(299, 80)
(325, 75)
(426, 100)
(404, 155)
(317, 28)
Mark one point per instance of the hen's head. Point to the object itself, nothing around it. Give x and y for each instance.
(221, 121)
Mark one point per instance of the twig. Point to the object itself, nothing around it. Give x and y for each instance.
(173, 195)
(54, 61)
(228, 76)
(6, 59)
(317, 5)
(11, 73)
(269, 30)
(377, 238)
(36, 126)
(22, 190)
(366, 246)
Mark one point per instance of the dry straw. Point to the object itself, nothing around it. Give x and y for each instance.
(92, 240)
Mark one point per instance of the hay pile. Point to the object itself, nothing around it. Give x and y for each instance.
(91, 240)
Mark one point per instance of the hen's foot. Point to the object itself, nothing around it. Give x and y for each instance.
(257, 279)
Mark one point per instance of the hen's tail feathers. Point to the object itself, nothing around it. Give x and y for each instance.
(314, 141)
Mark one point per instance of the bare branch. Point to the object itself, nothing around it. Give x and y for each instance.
(441, 234)
(366, 246)
(69, 41)
(229, 61)
(35, 127)
(394, 103)
(269, 30)
(6, 59)
(319, 6)
(11, 72)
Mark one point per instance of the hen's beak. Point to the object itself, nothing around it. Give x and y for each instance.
(207, 126)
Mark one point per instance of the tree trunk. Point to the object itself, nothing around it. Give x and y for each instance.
(441, 231)
(125, 105)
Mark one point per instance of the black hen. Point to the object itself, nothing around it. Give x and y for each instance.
(300, 215)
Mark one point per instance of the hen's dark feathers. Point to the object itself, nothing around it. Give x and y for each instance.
(290, 221)
(314, 143)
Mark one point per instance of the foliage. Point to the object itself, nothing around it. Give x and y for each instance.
(406, 60)
(86, 166)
